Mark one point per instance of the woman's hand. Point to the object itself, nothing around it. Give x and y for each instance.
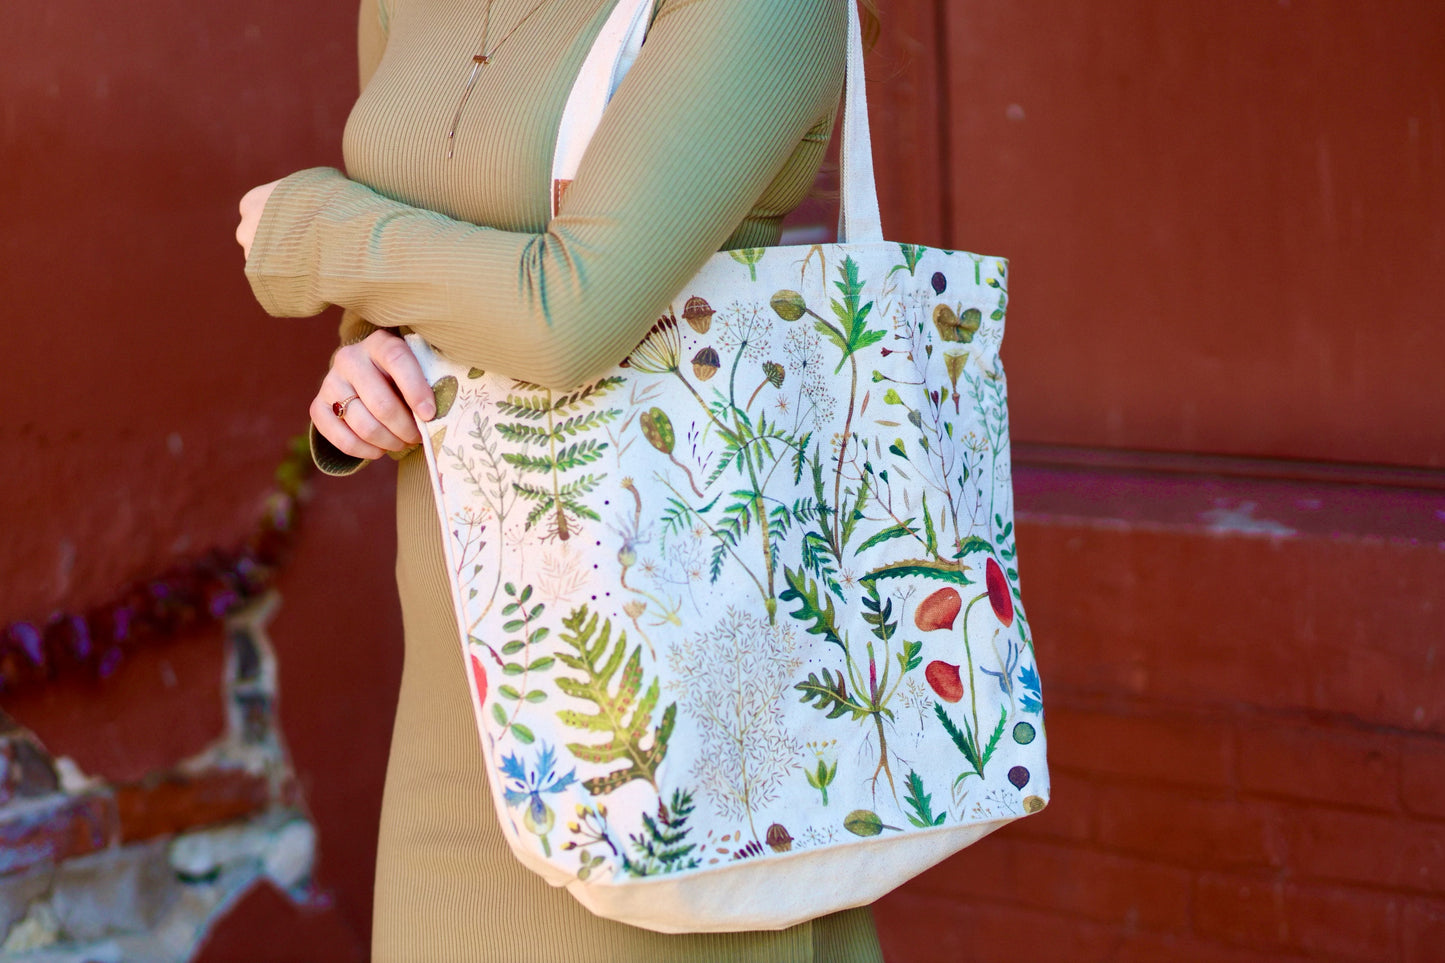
(251, 207)
(379, 386)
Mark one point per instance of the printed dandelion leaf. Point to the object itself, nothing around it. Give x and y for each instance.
(822, 614)
(830, 694)
(971, 545)
(993, 739)
(963, 740)
(921, 803)
(903, 530)
(620, 711)
(926, 568)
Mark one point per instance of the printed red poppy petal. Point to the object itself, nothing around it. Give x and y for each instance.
(480, 674)
(998, 592)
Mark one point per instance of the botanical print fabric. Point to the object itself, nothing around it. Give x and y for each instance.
(753, 595)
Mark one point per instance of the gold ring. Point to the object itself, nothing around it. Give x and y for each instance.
(338, 408)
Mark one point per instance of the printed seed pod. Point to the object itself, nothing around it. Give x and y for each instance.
(658, 429)
(774, 373)
(953, 362)
(445, 391)
(955, 327)
(940, 283)
(698, 313)
(779, 838)
(789, 305)
(705, 363)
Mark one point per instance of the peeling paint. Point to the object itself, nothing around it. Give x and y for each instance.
(155, 900)
(1240, 519)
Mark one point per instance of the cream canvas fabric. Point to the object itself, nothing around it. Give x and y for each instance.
(742, 616)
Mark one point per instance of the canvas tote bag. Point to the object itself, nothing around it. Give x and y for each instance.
(741, 617)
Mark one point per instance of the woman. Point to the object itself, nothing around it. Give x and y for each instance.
(443, 226)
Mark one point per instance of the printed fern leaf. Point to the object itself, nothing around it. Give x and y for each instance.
(620, 711)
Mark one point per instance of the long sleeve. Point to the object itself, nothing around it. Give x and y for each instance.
(370, 45)
(719, 99)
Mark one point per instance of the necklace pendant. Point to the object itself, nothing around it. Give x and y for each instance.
(482, 59)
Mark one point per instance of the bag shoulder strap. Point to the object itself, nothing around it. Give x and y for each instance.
(612, 55)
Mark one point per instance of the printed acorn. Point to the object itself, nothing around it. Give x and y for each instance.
(705, 363)
(698, 313)
(779, 838)
(944, 679)
(938, 610)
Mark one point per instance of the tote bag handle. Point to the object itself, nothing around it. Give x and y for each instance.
(612, 56)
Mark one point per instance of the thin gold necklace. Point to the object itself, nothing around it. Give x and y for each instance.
(479, 61)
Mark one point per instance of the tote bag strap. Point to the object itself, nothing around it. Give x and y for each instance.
(606, 64)
(612, 55)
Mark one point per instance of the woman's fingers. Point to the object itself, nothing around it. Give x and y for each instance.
(382, 416)
(383, 391)
(376, 414)
(336, 431)
(391, 355)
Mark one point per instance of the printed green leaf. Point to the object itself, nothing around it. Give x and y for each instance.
(830, 694)
(822, 614)
(897, 531)
(972, 544)
(926, 568)
(921, 803)
(611, 679)
(662, 846)
(865, 822)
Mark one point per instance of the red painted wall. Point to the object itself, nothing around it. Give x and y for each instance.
(147, 399)
(1225, 219)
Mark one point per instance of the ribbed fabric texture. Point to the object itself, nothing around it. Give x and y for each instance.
(715, 135)
(726, 96)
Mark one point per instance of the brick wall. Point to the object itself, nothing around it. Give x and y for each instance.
(1246, 723)
(138, 864)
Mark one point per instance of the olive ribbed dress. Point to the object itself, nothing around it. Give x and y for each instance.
(714, 135)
